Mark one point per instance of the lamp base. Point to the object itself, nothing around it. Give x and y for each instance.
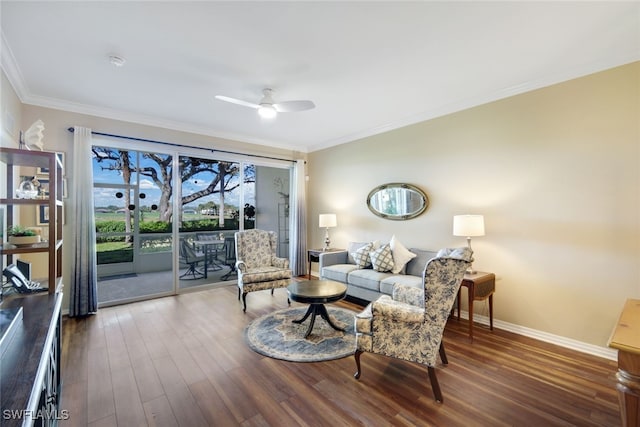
(327, 242)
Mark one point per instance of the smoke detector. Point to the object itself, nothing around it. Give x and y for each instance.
(116, 60)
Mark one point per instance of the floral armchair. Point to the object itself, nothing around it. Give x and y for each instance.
(410, 325)
(257, 264)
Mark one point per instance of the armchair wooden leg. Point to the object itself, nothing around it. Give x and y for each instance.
(244, 302)
(434, 384)
(443, 355)
(272, 289)
(238, 293)
(357, 356)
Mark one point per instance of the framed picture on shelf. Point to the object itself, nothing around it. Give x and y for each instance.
(42, 215)
(43, 188)
(45, 171)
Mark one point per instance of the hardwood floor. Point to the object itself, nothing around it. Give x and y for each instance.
(182, 361)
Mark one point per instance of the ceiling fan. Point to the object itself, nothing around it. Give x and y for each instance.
(268, 108)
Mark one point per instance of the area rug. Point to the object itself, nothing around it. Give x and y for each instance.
(275, 335)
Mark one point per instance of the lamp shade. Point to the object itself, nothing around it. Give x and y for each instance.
(468, 225)
(328, 220)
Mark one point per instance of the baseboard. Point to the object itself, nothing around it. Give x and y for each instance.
(594, 350)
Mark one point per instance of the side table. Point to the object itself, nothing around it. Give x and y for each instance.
(313, 255)
(480, 286)
(626, 339)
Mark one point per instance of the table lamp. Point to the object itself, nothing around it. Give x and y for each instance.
(327, 221)
(468, 226)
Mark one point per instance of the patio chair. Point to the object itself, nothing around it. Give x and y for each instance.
(229, 256)
(189, 257)
(410, 324)
(258, 266)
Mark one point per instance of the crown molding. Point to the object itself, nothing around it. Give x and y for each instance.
(12, 70)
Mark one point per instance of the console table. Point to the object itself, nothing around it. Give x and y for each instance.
(626, 339)
(480, 285)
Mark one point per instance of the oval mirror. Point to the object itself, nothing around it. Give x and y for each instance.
(397, 201)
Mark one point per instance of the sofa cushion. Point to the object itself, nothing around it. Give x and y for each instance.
(338, 272)
(381, 258)
(367, 278)
(361, 256)
(386, 284)
(416, 266)
(401, 255)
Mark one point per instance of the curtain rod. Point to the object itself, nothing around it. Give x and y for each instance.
(173, 144)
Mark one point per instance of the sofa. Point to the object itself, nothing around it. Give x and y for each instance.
(366, 282)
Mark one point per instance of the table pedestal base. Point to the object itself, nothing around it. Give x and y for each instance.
(313, 311)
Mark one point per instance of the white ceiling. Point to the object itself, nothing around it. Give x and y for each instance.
(368, 66)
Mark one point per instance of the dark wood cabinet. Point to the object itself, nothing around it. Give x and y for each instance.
(30, 357)
(30, 379)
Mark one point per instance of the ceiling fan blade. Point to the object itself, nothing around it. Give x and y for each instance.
(237, 101)
(293, 106)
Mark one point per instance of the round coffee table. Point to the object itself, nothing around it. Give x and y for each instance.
(316, 293)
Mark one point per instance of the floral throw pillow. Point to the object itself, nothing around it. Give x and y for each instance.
(381, 258)
(361, 256)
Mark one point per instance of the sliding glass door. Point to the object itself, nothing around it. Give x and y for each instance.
(133, 211)
(211, 210)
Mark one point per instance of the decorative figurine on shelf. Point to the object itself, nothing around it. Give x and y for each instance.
(27, 190)
(32, 138)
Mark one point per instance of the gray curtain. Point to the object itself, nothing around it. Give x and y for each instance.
(298, 209)
(84, 279)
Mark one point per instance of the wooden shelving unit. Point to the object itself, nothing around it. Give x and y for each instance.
(14, 159)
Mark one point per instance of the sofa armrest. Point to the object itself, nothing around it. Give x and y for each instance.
(332, 258)
(408, 295)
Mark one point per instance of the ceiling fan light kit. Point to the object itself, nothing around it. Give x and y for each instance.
(267, 111)
(267, 108)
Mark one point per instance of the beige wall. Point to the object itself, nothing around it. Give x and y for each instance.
(554, 171)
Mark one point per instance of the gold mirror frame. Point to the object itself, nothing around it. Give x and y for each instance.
(397, 201)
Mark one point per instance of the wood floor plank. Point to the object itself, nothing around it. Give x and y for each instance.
(182, 402)
(159, 413)
(129, 409)
(184, 361)
(99, 386)
(211, 405)
(110, 421)
(268, 406)
(147, 379)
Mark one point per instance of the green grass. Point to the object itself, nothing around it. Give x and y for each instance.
(114, 252)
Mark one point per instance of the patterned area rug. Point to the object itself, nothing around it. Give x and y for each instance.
(275, 335)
